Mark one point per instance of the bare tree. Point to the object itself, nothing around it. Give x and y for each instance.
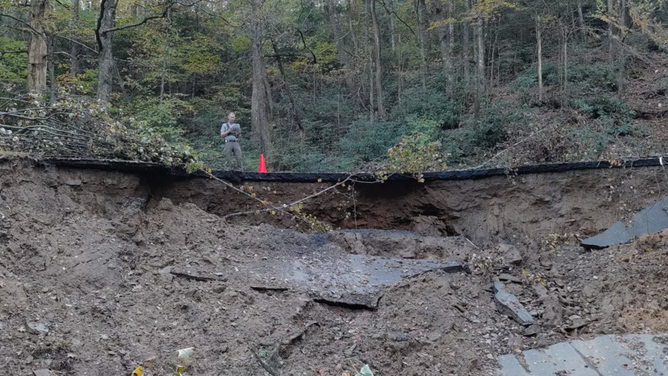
(75, 48)
(104, 35)
(38, 51)
(539, 40)
(259, 98)
(378, 63)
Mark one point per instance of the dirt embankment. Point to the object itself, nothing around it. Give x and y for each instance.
(103, 259)
(581, 203)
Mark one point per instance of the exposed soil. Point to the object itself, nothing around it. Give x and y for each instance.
(106, 261)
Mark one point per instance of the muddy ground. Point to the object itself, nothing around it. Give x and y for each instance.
(105, 260)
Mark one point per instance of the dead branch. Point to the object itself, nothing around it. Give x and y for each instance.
(273, 207)
(77, 42)
(269, 288)
(195, 277)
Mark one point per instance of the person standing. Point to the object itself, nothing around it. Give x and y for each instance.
(231, 133)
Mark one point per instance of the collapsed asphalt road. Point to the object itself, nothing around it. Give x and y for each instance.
(103, 270)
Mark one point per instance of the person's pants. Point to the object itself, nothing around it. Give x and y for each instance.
(233, 147)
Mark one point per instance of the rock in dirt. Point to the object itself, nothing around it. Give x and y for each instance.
(532, 330)
(42, 372)
(577, 324)
(511, 254)
(74, 182)
(509, 304)
(653, 218)
(37, 328)
(509, 278)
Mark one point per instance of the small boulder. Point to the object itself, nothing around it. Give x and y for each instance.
(511, 254)
(37, 328)
(509, 304)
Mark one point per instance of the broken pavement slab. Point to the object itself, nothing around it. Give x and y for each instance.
(329, 274)
(511, 306)
(43, 372)
(627, 355)
(653, 218)
(350, 280)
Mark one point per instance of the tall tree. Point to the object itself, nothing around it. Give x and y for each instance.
(75, 48)
(259, 97)
(539, 43)
(38, 51)
(104, 34)
(377, 62)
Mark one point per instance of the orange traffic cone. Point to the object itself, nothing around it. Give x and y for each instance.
(263, 167)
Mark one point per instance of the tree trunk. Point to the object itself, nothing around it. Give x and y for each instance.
(565, 93)
(393, 36)
(165, 57)
(611, 33)
(53, 87)
(336, 31)
(259, 100)
(466, 46)
(105, 70)
(38, 50)
(444, 39)
(378, 63)
(421, 34)
(451, 42)
(75, 48)
(581, 22)
(295, 111)
(481, 55)
(476, 57)
(494, 36)
(399, 67)
(540, 60)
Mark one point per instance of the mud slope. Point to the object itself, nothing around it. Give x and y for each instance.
(103, 258)
(582, 203)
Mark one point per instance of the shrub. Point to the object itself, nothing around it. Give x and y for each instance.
(367, 142)
(428, 105)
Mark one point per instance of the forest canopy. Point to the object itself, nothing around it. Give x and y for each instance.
(335, 85)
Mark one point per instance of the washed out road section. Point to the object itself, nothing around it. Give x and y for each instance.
(627, 355)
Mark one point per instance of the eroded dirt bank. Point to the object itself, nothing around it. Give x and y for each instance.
(581, 203)
(89, 253)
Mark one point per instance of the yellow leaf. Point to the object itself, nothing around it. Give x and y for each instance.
(138, 371)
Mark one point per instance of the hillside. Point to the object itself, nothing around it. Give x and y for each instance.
(328, 85)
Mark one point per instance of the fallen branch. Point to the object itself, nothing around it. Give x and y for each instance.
(273, 207)
(269, 288)
(195, 277)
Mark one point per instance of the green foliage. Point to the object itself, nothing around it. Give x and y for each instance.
(529, 78)
(367, 142)
(604, 105)
(240, 43)
(13, 59)
(428, 105)
(417, 151)
(76, 126)
(161, 118)
(479, 137)
(84, 83)
(596, 76)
